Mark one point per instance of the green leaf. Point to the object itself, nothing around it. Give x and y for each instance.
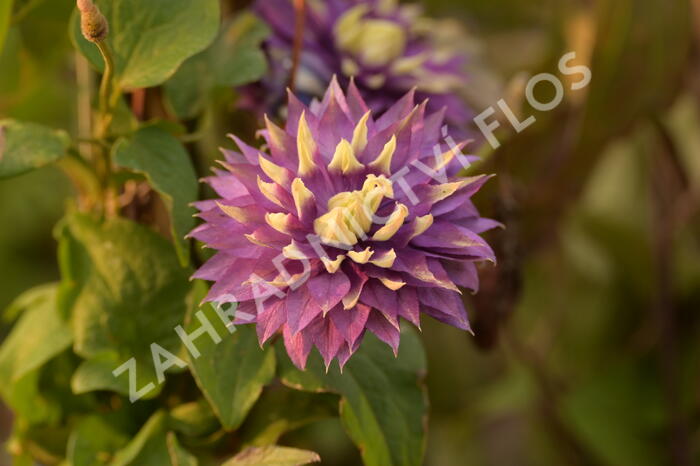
(96, 374)
(273, 456)
(27, 300)
(28, 403)
(5, 17)
(178, 455)
(154, 445)
(94, 441)
(231, 373)
(384, 402)
(130, 293)
(42, 398)
(235, 59)
(38, 336)
(74, 266)
(281, 410)
(149, 40)
(194, 419)
(164, 161)
(242, 60)
(149, 447)
(28, 146)
(46, 444)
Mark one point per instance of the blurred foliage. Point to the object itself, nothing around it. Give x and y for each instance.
(588, 329)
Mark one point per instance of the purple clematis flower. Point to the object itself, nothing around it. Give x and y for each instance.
(344, 224)
(387, 48)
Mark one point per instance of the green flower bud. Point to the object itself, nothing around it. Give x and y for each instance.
(93, 24)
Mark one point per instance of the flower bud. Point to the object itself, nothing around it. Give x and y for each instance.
(93, 24)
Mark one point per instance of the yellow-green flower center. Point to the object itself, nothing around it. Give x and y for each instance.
(376, 42)
(350, 214)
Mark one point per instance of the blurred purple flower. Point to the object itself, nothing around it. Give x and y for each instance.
(344, 223)
(388, 49)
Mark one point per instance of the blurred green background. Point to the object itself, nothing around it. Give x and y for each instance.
(588, 331)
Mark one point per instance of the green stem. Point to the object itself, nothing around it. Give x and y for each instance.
(108, 99)
(95, 142)
(105, 105)
(83, 177)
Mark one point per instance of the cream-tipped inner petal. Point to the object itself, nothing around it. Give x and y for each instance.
(421, 224)
(350, 300)
(384, 260)
(292, 251)
(254, 240)
(344, 160)
(359, 135)
(393, 285)
(276, 134)
(392, 225)
(279, 221)
(269, 190)
(332, 266)
(306, 147)
(445, 190)
(408, 65)
(383, 160)
(361, 257)
(302, 195)
(239, 214)
(276, 173)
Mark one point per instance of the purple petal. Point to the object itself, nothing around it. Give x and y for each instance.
(384, 330)
(346, 351)
(301, 310)
(250, 153)
(298, 346)
(327, 289)
(350, 322)
(227, 186)
(409, 307)
(444, 235)
(328, 340)
(270, 319)
(445, 306)
(398, 111)
(357, 105)
(381, 298)
(463, 274)
(415, 264)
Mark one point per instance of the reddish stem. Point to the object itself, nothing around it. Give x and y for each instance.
(138, 102)
(299, 25)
